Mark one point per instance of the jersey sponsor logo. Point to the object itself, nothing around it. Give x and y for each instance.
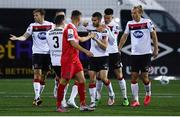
(42, 35)
(138, 34)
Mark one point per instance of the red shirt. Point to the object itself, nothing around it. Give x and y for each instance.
(69, 53)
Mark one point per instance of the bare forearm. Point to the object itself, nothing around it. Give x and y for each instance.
(20, 38)
(83, 39)
(155, 40)
(77, 46)
(122, 41)
(101, 44)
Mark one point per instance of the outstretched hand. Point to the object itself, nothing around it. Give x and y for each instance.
(89, 54)
(155, 53)
(12, 37)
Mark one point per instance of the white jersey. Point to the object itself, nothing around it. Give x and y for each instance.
(140, 36)
(38, 32)
(95, 49)
(113, 36)
(54, 39)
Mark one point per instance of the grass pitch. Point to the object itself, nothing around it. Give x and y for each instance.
(16, 97)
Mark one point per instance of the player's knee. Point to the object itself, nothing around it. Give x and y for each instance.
(134, 76)
(64, 81)
(37, 74)
(92, 81)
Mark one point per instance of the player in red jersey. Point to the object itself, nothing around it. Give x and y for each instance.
(70, 63)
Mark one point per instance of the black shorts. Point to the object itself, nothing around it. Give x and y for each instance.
(115, 61)
(98, 63)
(41, 61)
(57, 70)
(140, 63)
(85, 63)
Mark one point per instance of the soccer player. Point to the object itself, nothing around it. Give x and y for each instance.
(54, 39)
(70, 63)
(74, 92)
(141, 31)
(114, 56)
(40, 48)
(99, 62)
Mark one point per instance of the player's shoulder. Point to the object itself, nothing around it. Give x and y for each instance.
(33, 24)
(113, 23)
(145, 20)
(130, 22)
(70, 26)
(48, 23)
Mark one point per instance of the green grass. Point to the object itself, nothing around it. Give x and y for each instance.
(16, 99)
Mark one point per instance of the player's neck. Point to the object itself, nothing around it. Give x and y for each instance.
(137, 19)
(60, 25)
(75, 23)
(41, 22)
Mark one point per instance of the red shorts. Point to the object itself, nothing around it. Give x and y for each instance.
(69, 70)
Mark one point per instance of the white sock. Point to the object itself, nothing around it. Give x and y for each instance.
(36, 86)
(135, 90)
(74, 93)
(55, 88)
(65, 91)
(92, 92)
(122, 84)
(148, 89)
(110, 89)
(99, 85)
(41, 88)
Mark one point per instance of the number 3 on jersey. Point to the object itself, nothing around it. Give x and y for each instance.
(56, 41)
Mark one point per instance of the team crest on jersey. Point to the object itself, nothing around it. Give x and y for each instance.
(70, 35)
(138, 34)
(117, 28)
(42, 35)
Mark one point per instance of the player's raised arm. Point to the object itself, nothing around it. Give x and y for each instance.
(83, 39)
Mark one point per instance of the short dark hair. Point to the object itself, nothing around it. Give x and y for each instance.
(108, 11)
(59, 19)
(97, 14)
(41, 11)
(75, 14)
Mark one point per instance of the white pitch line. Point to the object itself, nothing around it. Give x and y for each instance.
(26, 96)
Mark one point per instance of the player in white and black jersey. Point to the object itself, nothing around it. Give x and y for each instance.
(114, 56)
(54, 39)
(41, 58)
(99, 62)
(141, 30)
